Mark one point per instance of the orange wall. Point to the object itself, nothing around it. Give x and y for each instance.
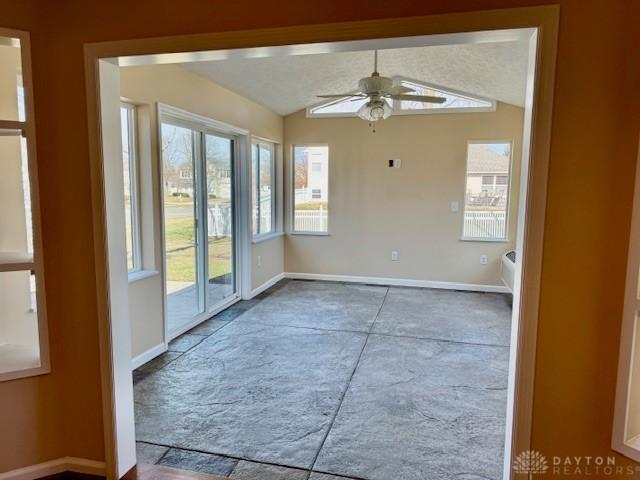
(594, 144)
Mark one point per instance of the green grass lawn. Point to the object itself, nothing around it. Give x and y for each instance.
(181, 252)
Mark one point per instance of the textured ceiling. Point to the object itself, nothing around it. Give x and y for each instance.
(287, 84)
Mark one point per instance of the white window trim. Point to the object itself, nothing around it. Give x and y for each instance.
(263, 237)
(257, 238)
(509, 185)
(134, 183)
(9, 261)
(622, 441)
(423, 111)
(292, 190)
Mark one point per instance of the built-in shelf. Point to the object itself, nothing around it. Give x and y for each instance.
(11, 128)
(15, 358)
(12, 261)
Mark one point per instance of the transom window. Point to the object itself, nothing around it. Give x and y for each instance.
(264, 187)
(455, 102)
(487, 191)
(23, 327)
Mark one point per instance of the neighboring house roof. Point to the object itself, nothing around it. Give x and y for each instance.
(487, 160)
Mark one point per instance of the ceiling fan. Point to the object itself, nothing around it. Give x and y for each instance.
(378, 90)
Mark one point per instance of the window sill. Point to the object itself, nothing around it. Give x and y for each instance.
(316, 234)
(141, 275)
(266, 236)
(489, 240)
(20, 361)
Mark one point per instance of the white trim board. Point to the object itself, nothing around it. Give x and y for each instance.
(148, 355)
(53, 467)
(398, 282)
(203, 317)
(269, 283)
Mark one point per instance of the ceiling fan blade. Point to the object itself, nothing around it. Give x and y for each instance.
(342, 95)
(400, 89)
(419, 98)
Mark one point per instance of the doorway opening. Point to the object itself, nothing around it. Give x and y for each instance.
(305, 339)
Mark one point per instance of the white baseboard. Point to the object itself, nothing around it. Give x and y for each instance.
(269, 283)
(53, 467)
(399, 282)
(147, 356)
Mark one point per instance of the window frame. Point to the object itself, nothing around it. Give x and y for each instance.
(25, 128)
(292, 189)
(134, 188)
(395, 105)
(509, 183)
(628, 373)
(274, 188)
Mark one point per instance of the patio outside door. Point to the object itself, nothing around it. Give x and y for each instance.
(199, 225)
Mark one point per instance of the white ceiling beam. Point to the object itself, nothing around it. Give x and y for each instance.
(493, 36)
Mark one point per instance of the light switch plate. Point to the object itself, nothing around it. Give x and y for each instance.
(395, 163)
(455, 206)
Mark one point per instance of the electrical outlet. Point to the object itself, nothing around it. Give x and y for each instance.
(394, 256)
(484, 259)
(259, 261)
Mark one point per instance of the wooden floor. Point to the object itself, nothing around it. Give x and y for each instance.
(159, 472)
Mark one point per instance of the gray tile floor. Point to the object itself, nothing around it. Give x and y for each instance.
(322, 381)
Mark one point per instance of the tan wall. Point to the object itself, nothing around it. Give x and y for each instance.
(592, 164)
(374, 209)
(180, 88)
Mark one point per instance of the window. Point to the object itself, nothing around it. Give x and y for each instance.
(23, 332)
(455, 102)
(310, 188)
(626, 424)
(130, 173)
(487, 191)
(263, 183)
(343, 107)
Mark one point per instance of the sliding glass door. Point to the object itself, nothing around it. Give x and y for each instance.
(220, 231)
(199, 226)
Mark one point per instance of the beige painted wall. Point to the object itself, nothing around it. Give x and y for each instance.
(374, 209)
(177, 87)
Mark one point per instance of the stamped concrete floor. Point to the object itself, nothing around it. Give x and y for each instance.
(322, 381)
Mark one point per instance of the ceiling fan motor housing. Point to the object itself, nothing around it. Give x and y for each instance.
(375, 84)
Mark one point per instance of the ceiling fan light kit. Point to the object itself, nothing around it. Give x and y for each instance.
(374, 110)
(378, 90)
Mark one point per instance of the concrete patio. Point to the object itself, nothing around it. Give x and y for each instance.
(328, 380)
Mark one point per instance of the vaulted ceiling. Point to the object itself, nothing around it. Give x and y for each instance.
(286, 84)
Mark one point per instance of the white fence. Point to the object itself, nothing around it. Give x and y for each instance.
(477, 224)
(311, 220)
(219, 222)
(485, 224)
